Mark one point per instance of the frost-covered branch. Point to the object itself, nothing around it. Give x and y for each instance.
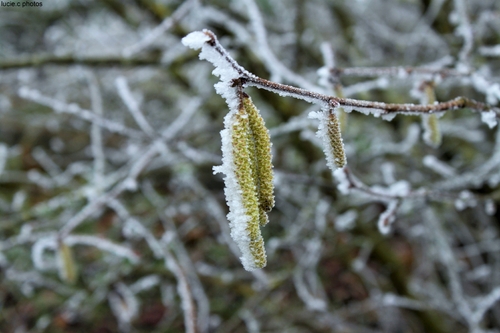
(129, 183)
(164, 26)
(224, 63)
(74, 109)
(69, 60)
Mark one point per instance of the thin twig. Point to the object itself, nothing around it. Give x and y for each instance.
(396, 71)
(377, 108)
(167, 23)
(69, 60)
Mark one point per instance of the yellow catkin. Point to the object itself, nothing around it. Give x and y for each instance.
(435, 133)
(263, 219)
(336, 142)
(243, 170)
(67, 264)
(263, 157)
(431, 123)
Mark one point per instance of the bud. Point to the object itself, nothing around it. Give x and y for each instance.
(66, 263)
(432, 134)
(244, 165)
(329, 133)
(335, 142)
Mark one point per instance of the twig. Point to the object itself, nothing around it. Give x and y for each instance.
(401, 72)
(185, 292)
(105, 198)
(69, 60)
(133, 106)
(377, 108)
(167, 23)
(95, 132)
(74, 109)
(273, 64)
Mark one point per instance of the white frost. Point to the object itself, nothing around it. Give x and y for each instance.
(387, 218)
(465, 199)
(489, 118)
(343, 183)
(195, 40)
(490, 207)
(438, 166)
(346, 220)
(226, 70)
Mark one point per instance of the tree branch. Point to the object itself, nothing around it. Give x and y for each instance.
(41, 60)
(376, 108)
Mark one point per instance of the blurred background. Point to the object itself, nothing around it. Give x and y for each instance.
(111, 219)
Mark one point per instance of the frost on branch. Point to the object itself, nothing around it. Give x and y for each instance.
(224, 69)
(195, 40)
(246, 155)
(489, 118)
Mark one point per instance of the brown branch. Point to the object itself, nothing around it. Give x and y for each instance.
(378, 108)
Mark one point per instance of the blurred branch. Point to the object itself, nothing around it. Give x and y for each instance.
(396, 71)
(165, 25)
(68, 60)
(399, 277)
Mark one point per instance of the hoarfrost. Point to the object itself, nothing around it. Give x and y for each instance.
(195, 40)
(490, 207)
(343, 182)
(437, 166)
(3, 156)
(38, 252)
(345, 221)
(489, 118)
(387, 217)
(465, 199)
